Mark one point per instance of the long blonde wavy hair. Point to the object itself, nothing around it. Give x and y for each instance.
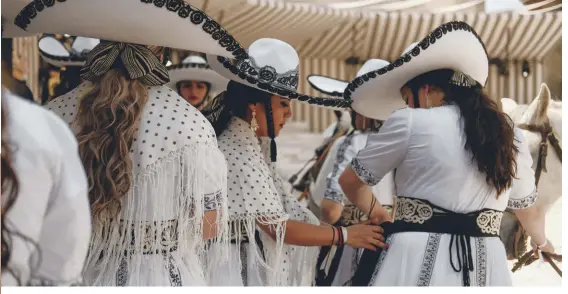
(108, 117)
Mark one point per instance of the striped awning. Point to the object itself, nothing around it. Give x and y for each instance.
(321, 31)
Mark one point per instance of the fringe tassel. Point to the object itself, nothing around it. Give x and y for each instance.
(158, 240)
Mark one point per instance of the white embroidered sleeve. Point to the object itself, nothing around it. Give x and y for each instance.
(385, 150)
(523, 191)
(345, 153)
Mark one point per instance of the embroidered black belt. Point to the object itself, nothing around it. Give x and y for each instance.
(416, 215)
(157, 237)
(351, 215)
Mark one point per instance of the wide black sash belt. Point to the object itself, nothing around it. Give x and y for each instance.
(351, 215)
(417, 215)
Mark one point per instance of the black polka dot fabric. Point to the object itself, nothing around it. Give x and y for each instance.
(250, 186)
(161, 130)
(291, 205)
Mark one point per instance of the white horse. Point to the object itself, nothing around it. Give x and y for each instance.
(542, 110)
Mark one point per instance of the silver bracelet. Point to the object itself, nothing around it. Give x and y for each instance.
(344, 231)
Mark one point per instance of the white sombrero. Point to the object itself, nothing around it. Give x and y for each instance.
(196, 68)
(271, 66)
(335, 87)
(55, 53)
(169, 23)
(453, 45)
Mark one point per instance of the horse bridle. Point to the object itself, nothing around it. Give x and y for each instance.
(547, 135)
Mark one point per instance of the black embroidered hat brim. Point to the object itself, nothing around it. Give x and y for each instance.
(196, 72)
(57, 60)
(227, 67)
(454, 45)
(169, 23)
(328, 85)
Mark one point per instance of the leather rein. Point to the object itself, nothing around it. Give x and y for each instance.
(547, 136)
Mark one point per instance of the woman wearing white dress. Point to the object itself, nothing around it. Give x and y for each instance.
(45, 209)
(459, 164)
(336, 267)
(195, 81)
(157, 179)
(267, 223)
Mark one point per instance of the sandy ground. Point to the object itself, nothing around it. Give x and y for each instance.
(296, 145)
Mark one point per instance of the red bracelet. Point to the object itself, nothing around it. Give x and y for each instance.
(333, 238)
(340, 233)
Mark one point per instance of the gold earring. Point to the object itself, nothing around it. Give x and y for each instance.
(253, 122)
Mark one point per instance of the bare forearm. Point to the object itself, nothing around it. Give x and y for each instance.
(330, 211)
(210, 225)
(304, 234)
(533, 222)
(361, 195)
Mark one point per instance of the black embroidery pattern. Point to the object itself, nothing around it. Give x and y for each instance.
(355, 260)
(122, 273)
(212, 200)
(380, 261)
(183, 10)
(260, 77)
(175, 275)
(429, 259)
(189, 65)
(422, 45)
(481, 266)
(331, 193)
(168, 237)
(366, 175)
(268, 74)
(244, 262)
(525, 202)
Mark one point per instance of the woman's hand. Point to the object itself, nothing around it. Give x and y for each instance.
(365, 236)
(548, 247)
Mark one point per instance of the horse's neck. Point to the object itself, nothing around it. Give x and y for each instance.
(550, 184)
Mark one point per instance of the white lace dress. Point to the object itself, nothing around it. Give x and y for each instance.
(426, 148)
(52, 206)
(256, 194)
(179, 174)
(340, 155)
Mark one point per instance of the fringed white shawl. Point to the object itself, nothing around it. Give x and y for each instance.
(256, 196)
(179, 174)
(304, 258)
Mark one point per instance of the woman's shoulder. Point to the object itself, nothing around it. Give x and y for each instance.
(167, 113)
(169, 124)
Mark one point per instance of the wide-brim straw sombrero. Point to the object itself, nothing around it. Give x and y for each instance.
(195, 68)
(55, 53)
(335, 87)
(271, 66)
(454, 45)
(172, 23)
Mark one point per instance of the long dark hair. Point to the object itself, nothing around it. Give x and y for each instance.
(10, 187)
(374, 124)
(489, 132)
(235, 101)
